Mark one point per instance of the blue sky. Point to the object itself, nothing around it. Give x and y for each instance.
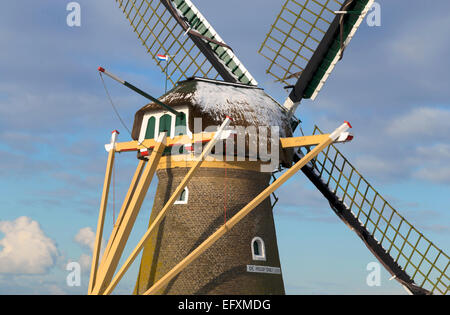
(392, 85)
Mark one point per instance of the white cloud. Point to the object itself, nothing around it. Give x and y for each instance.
(55, 290)
(380, 167)
(85, 262)
(424, 44)
(86, 238)
(408, 146)
(434, 174)
(32, 285)
(439, 151)
(431, 163)
(26, 249)
(421, 122)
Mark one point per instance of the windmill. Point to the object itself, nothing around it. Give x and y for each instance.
(211, 229)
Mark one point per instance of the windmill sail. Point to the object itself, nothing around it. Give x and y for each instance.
(307, 40)
(177, 29)
(419, 265)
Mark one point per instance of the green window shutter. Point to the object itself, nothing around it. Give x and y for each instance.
(150, 132)
(180, 124)
(165, 123)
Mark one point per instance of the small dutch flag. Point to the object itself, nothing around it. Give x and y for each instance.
(162, 57)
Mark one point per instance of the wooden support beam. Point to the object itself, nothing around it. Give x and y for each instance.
(128, 197)
(167, 206)
(245, 211)
(101, 221)
(305, 141)
(150, 143)
(289, 142)
(107, 270)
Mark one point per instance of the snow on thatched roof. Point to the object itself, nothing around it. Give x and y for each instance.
(246, 105)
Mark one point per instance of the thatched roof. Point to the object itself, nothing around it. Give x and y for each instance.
(214, 100)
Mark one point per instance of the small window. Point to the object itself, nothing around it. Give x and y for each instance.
(183, 198)
(150, 132)
(165, 124)
(258, 250)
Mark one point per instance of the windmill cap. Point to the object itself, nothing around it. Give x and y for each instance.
(101, 69)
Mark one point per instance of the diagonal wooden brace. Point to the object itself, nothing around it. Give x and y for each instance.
(167, 206)
(108, 268)
(126, 203)
(246, 210)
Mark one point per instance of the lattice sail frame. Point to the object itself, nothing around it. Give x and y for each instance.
(160, 33)
(296, 34)
(425, 263)
(289, 51)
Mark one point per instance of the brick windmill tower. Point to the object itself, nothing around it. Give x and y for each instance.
(219, 189)
(211, 228)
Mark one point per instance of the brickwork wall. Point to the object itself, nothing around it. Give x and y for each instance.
(222, 269)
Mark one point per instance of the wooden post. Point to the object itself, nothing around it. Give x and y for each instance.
(166, 207)
(101, 220)
(245, 211)
(106, 271)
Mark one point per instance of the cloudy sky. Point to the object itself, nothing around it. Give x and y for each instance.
(392, 85)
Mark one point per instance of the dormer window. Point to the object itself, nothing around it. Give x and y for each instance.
(258, 249)
(156, 121)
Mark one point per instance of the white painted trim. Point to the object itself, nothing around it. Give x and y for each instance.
(262, 248)
(290, 106)
(186, 198)
(112, 144)
(158, 113)
(338, 131)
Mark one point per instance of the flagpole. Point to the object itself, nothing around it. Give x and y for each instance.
(165, 70)
(165, 58)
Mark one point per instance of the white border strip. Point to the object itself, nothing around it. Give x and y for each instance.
(347, 41)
